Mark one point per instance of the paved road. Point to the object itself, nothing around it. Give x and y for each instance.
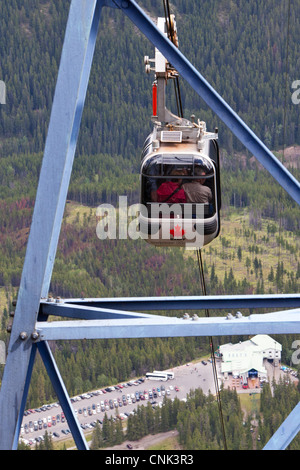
(145, 442)
(187, 377)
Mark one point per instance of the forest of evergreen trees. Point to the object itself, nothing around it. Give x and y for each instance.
(198, 422)
(240, 47)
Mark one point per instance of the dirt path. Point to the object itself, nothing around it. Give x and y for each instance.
(145, 442)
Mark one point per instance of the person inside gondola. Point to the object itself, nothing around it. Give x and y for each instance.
(171, 191)
(195, 191)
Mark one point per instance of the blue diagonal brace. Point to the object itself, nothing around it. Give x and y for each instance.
(68, 103)
(196, 302)
(286, 432)
(211, 97)
(62, 395)
(24, 397)
(88, 312)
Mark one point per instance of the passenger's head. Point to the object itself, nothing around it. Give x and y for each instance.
(177, 173)
(199, 172)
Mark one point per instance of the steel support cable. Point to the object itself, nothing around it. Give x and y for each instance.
(212, 351)
(200, 264)
(178, 92)
(172, 39)
(199, 255)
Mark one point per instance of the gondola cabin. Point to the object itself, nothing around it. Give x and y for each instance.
(180, 186)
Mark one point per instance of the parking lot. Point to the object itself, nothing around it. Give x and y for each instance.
(122, 399)
(118, 402)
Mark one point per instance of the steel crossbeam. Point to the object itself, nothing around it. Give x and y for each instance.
(285, 322)
(114, 318)
(74, 308)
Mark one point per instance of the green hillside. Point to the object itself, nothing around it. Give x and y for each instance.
(249, 51)
(239, 46)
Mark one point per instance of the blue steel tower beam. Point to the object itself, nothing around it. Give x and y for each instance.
(169, 303)
(187, 71)
(62, 395)
(286, 432)
(68, 103)
(157, 326)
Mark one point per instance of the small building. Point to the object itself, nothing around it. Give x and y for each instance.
(246, 359)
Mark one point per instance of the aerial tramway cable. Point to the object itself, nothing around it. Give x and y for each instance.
(199, 254)
(173, 40)
(212, 351)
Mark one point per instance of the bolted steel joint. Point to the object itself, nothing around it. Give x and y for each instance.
(35, 336)
(23, 336)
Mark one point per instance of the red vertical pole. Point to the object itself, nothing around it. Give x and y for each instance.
(154, 99)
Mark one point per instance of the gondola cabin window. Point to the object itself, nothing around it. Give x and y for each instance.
(179, 192)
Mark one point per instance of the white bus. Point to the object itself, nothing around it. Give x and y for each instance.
(157, 376)
(170, 375)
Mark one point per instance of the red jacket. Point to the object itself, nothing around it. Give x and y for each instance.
(166, 189)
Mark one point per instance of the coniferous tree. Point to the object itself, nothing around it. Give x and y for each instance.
(97, 439)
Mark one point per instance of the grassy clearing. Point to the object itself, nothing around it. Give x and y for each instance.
(171, 443)
(78, 213)
(3, 298)
(252, 249)
(250, 403)
(69, 444)
(248, 246)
